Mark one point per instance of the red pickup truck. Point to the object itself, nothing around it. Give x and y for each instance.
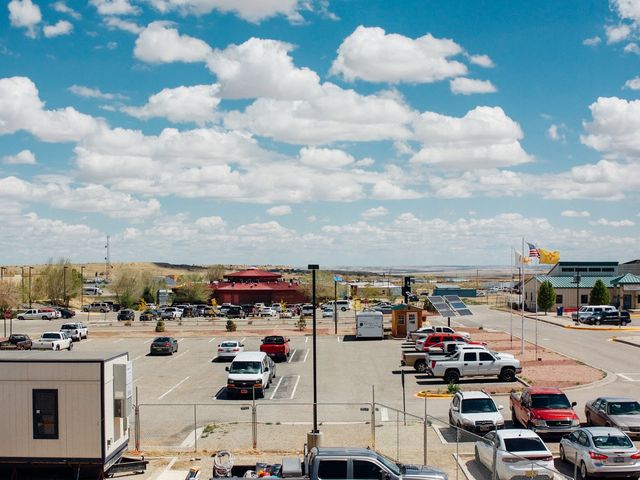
(276, 346)
(423, 344)
(544, 410)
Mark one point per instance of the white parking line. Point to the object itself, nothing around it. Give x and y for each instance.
(118, 341)
(291, 356)
(166, 469)
(242, 339)
(138, 357)
(305, 356)
(295, 388)
(190, 439)
(147, 341)
(338, 338)
(275, 389)
(306, 339)
(211, 340)
(87, 340)
(179, 355)
(180, 340)
(625, 377)
(174, 387)
(384, 414)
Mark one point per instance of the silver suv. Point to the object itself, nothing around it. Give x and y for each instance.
(476, 412)
(101, 307)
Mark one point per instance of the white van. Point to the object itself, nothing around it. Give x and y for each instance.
(91, 291)
(343, 305)
(589, 310)
(249, 371)
(369, 324)
(307, 309)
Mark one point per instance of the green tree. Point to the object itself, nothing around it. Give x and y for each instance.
(324, 286)
(128, 286)
(57, 282)
(192, 290)
(215, 272)
(546, 296)
(148, 295)
(599, 294)
(9, 295)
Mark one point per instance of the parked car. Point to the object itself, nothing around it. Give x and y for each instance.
(235, 312)
(101, 307)
(384, 308)
(544, 410)
(229, 349)
(611, 318)
(17, 341)
(327, 312)
(67, 313)
(519, 454)
(307, 309)
(35, 314)
(425, 342)
(420, 360)
(164, 345)
(53, 312)
(475, 411)
(171, 313)
(250, 372)
(601, 451)
(53, 341)
(589, 310)
(475, 363)
(428, 330)
(149, 315)
(77, 331)
(267, 312)
(276, 346)
(623, 413)
(126, 314)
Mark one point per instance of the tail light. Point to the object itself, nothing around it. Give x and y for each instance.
(433, 363)
(597, 456)
(636, 456)
(221, 349)
(236, 349)
(510, 459)
(167, 344)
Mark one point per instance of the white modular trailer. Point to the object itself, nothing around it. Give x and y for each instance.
(65, 410)
(369, 325)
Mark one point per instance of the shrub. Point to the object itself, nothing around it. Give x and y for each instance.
(231, 326)
(160, 326)
(127, 323)
(301, 324)
(453, 388)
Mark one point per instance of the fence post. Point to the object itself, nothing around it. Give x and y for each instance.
(195, 428)
(397, 436)
(136, 421)
(458, 451)
(254, 421)
(373, 416)
(494, 473)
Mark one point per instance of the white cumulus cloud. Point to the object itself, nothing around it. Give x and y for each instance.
(482, 60)
(89, 92)
(24, 157)
(61, 28)
(617, 33)
(25, 14)
(375, 212)
(592, 41)
(114, 7)
(279, 210)
(158, 43)
(120, 24)
(62, 7)
(325, 158)
(484, 138)
(556, 132)
(614, 127)
(633, 84)
(470, 86)
(249, 10)
(575, 213)
(182, 104)
(371, 54)
(613, 223)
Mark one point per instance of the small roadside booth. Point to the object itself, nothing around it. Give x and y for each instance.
(66, 410)
(405, 318)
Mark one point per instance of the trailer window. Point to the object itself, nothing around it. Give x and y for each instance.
(45, 414)
(332, 469)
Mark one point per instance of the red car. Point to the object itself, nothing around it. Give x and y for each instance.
(436, 338)
(544, 410)
(276, 346)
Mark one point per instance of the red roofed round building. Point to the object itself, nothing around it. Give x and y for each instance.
(254, 285)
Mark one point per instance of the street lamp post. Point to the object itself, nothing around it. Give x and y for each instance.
(64, 286)
(81, 286)
(313, 438)
(576, 279)
(21, 286)
(30, 269)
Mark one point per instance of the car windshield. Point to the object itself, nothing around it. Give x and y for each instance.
(245, 367)
(623, 408)
(273, 340)
(390, 464)
(162, 340)
(612, 441)
(228, 344)
(550, 400)
(520, 444)
(50, 335)
(67, 326)
(478, 405)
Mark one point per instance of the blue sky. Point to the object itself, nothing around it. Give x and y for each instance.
(339, 132)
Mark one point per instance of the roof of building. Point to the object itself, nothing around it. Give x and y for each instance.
(253, 273)
(632, 262)
(65, 357)
(404, 306)
(587, 264)
(257, 286)
(588, 282)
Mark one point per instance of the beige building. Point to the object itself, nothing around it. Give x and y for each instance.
(64, 408)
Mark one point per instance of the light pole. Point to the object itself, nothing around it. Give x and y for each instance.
(2, 269)
(81, 286)
(576, 279)
(313, 439)
(64, 286)
(30, 269)
(21, 286)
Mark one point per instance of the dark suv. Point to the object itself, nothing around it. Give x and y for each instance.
(126, 314)
(235, 312)
(615, 318)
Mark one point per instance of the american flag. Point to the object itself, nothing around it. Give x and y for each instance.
(533, 250)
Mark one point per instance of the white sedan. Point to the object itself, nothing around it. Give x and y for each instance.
(267, 312)
(230, 348)
(519, 453)
(601, 451)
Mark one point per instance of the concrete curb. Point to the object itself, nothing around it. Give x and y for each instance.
(603, 329)
(626, 342)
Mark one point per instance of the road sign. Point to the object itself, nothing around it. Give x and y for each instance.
(8, 314)
(337, 278)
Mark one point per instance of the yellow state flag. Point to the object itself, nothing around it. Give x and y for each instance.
(548, 256)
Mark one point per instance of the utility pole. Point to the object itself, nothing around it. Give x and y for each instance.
(30, 269)
(81, 286)
(21, 284)
(107, 259)
(64, 286)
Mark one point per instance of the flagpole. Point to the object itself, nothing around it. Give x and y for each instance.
(522, 302)
(512, 260)
(535, 281)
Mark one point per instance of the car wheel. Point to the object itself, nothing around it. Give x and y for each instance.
(451, 376)
(514, 419)
(563, 457)
(57, 347)
(507, 375)
(420, 366)
(584, 474)
(450, 420)
(45, 317)
(597, 322)
(70, 346)
(20, 318)
(588, 420)
(343, 309)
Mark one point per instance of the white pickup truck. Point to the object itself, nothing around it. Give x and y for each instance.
(475, 363)
(53, 341)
